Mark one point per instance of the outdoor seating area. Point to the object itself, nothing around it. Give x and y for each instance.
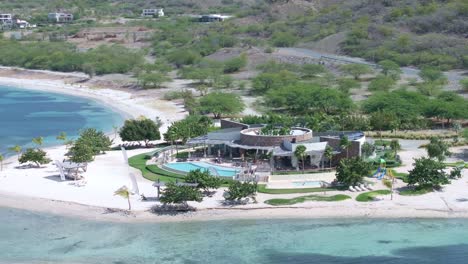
(360, 188)
(70, 170)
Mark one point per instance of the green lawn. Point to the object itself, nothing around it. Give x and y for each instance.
(369, 196)
(262, 189)
(400, 175)
(419, 190)
(152, 172)
(301, 199)
(457, 164)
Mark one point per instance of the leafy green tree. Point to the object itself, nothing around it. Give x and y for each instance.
(356, 70)
(300, 153)
(390, 69)
(81, 153)
(152, 80)
(329, 154)
(125, 193)
(140, 130)
(183, 57)
(283, 39)
(97, 140)
(174, 194)
(303, 99)
(204, 180)
(312, 70)
(36, 156)
(438, 149)
(220, 104)
(367, 149)
(17, 149)
(235, 64)
(431, 74)
(346, 84)
(465, 133)
(426, 172)
(268, 81)
(345, 144)
(381, 120)
(240, 190)
(191, 126)
(351, 171)
(381, 83)
(464, 84)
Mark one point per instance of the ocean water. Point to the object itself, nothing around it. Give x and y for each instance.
(25, 114)
(41, 238)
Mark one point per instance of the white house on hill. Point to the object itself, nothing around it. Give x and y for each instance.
(155, 12)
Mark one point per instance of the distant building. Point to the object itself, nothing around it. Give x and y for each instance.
(60, 17)
(6, 19)
(23, 24)
(157, 12)
(212, 18)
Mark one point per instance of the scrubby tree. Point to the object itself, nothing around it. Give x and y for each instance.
(390, 69)
(438, 149)
(395, 146)
(367, 149)
(464, 84)
(346, 84)
(152, 79)
(175, 194)
(240, 190)
(220, 104)
(427, 171)
(356, 70)
(312, 70)
(96, 140)
(140, 130)
(81, 153)
(36, 156)
(235, 64)
(381, 83)
(38, 141)
(267, 81)
(204, 179)
(351, 171)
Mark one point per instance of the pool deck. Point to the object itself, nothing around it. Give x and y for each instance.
(287, 181)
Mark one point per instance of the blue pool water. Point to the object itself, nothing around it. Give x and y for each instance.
(308, 184)
(25, 114)
(190, 166)
(28, 237)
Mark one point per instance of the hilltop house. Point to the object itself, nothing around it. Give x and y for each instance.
(155, 12)
(60, 17)
(6, 19)
(212, 18)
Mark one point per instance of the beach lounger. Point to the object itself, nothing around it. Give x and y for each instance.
(351, 189)
(358, 189)
(370, 187)
(363, 187)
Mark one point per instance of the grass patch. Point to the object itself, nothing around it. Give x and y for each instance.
(301, 199)
(369, 196)
(152, 172)
(400, 175)
(457, 164)
(261, 188)
(418, 190)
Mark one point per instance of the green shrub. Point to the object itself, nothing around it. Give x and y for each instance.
(370, 196)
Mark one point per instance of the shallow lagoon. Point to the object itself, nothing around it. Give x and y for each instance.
(25, 114)
(35, 238)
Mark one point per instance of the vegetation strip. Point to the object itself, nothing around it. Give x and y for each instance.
(301, 199)
(370, 196)
(262, 189)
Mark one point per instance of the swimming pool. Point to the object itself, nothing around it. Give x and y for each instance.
(308, 184)
(186, 167)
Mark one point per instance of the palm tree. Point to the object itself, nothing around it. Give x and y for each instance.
(17, 149)
(345, 144)
(1, 162)
(300, 153)
(62, 136)
(329, 154)
(124, 193)
(395, 146)
(38, 141)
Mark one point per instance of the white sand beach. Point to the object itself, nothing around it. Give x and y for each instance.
(41, 189)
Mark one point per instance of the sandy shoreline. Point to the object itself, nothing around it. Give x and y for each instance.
(39, 190)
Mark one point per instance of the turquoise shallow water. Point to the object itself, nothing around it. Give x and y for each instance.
(25, 114)
(40, 238)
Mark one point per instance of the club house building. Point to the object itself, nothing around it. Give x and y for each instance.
(261, 142)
